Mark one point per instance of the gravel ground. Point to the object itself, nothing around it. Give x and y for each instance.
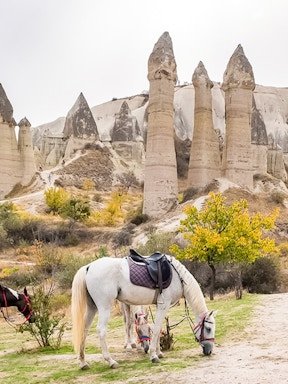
(260, 358)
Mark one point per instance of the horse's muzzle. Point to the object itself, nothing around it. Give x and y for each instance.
(32, 318)
(145, 345)
(207, 347)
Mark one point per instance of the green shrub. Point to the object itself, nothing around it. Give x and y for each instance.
(122, 238)
(70, 265)
(22, 278)
(3, 237)
(48, 328)
(160, 242)
(140, 218)
(77, 209)
(190, 194)
(278, 197)
(263, 276)
(49, 259)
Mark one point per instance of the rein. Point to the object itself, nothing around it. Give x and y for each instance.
(194, 328)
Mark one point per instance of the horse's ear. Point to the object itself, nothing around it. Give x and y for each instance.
(214, 313)
(25, 291)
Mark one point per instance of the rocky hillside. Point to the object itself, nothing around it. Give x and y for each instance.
(271, 102)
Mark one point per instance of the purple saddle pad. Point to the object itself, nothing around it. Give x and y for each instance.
(139, 275)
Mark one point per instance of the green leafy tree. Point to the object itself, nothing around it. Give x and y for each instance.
(55, 198)
(221, 233)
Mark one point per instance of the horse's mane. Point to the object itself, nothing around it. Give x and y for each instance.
(192, 291)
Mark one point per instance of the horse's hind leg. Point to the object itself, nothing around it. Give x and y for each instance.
(88, 321)
(128, 321)
(104, 314)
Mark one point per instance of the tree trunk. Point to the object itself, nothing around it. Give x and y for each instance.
(238, 285)
(213, 279)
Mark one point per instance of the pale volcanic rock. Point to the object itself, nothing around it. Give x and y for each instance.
(10, 169)
(259, 140)
(126, 127)
(204, 165)
(17, 165)
(161, 185)
(239, 72)
(6, 109)
(126, 135)
(25, 146)
(276, 164)
(238, 85)
(79, 121)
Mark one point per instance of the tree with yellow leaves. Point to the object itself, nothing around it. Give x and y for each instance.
(221, 233)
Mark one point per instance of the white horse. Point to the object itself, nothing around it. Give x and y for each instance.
(96, 286)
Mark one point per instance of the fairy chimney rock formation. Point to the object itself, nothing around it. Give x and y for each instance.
(204, 165)
(10, 169)
(6, 109)
(160, 179)
(80, 122)
(25, 147)
(126, 127)
(126, 135)
(238, 85)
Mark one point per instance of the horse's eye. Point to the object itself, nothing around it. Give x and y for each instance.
(208, 329)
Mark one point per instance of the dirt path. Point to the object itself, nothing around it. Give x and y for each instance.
(260, 358)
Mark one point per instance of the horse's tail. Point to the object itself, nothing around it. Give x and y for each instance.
(79, 303)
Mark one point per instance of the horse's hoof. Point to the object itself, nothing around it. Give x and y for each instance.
(114, 365)
(160, 355)
(129, 348)
(155, 360)
(84, 367)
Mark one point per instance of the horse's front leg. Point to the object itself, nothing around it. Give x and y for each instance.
(154, 349)
(104, 315)
(128, 320)
(88, 321)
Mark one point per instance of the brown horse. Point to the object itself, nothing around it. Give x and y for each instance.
(11, 298)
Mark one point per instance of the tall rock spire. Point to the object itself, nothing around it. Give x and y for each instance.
(6, 109)
(238, 85)
(25, 146)
(204, 165)
(160, 185)
(79, 121)
(10, 169)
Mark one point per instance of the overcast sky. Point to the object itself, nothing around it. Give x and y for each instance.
(51, 50)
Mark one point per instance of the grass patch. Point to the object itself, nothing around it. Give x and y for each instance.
(21, 361)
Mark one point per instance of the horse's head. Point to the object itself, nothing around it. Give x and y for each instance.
(25, 307)
(143, 330)
(204, 332)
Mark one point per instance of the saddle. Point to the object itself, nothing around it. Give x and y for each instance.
(158, 267)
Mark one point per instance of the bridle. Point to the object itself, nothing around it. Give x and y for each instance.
(141, 338)
(201, 326)
(23, 310)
